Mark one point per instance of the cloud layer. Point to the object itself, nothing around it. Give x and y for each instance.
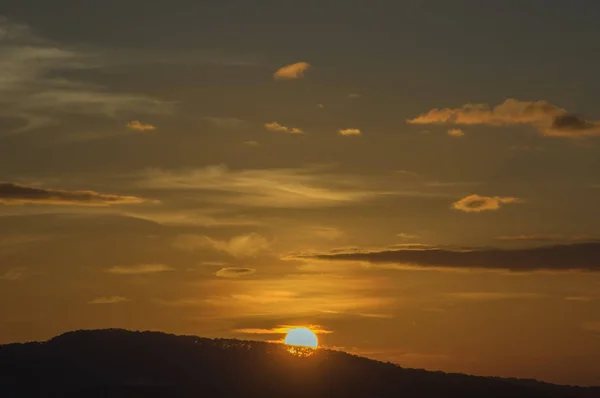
(582, 256)
(548, 119)
(15, 194)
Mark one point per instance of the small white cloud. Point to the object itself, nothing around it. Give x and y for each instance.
(251, 143)
(477, 203)
(293, 71)
(456, 133)
(321, 106)
(139, 269)
(139, 126)
(354, 96)
(108, 300)
(349, 132)
(274, 126)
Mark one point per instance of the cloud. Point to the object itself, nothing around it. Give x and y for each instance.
(251, 143)
(230, 123)
(477, 203)
(349, 132)
(283, 329)
(14, 274)
(567, 257)
(329, 233)
(456, 133)
(235, 272)
(139, 269)
(279, 188)
(407, 236)
(139, 126)
(581, 298)
(546, 118)
(35, 88)
(486, 296)
(591, 326)
(15, 194)
(240, 246)
(354, 96)
(274, 126)
(108, 300)
(547, 237)
(293, 71)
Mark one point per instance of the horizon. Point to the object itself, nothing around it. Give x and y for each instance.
(417, 183)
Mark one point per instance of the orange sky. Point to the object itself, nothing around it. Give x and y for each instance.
(418, 183)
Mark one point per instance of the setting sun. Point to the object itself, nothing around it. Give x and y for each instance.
(302, 337)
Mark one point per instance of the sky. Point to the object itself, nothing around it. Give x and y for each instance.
(418, 181)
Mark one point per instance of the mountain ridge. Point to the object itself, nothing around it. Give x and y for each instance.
(123, 363)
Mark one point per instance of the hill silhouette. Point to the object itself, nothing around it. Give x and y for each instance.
(118, 363)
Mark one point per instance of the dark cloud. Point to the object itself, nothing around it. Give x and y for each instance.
(15, 194)
(582, 256)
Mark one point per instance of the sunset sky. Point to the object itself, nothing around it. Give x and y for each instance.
(417, 180)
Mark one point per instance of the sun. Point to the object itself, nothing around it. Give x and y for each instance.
(301, 337)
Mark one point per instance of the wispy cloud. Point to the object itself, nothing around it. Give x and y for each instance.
(354, 96)
(13, 274)
(251, 143)
(240, 246)
(547, 237)
(283, 188)
(108, 300)
(567, 257)
(15, 194)
(35, 89)
(293, 71)
(486, 296)
(139, 126)
(139, 269)
(548, 119)
(477, 203)
(349, 132)
(283, 329)
(591, 326)
(235, 272)
(274, 126)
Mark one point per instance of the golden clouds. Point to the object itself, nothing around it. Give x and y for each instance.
(346, 132)
(274, 126)
(548, 119)
(140, 269)
(292, 71)
(477, 203)
(15, 194)
(139, 126)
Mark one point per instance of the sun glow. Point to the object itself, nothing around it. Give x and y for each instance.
(301, 337)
